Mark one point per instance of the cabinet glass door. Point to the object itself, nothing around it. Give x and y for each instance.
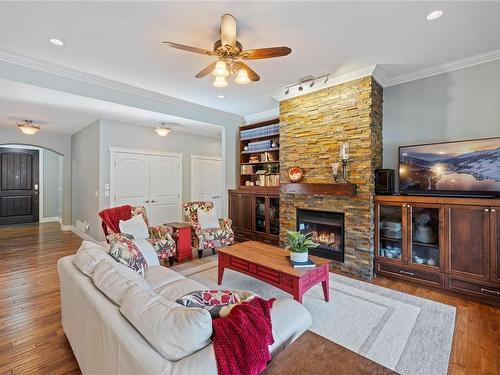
(424, 243)
(260, 214)
(390, 233)
(274, 216)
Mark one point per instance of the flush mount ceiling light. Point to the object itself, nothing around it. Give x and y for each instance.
(56, 42)
(220, 96)
(434, 15)
(163, 129)
(229, 53)
(28, 128)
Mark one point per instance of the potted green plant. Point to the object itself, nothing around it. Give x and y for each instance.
(299, 245)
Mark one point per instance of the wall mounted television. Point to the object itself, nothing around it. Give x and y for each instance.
(460, 168)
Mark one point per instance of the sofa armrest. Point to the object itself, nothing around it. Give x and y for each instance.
(160, 231)
(225, 223)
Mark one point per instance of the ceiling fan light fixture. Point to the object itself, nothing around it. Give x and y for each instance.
(242, 77)
(220, 69)
(163, 130)
(28, 128)
(219, 82)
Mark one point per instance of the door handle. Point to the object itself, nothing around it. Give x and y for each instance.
(36, 186)
(146, 201)
(154, 201)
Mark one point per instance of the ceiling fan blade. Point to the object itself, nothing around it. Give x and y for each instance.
(265, 53)
(206, 71)
(251, 74)
(189, 48)
(228, 30)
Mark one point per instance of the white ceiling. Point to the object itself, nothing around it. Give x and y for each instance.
(122, 40)
(57, 111)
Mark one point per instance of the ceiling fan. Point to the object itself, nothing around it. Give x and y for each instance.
(230, 53)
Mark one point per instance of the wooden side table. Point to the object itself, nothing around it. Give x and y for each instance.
(182, 237)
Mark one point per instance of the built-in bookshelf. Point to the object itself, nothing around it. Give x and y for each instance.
(259, 155)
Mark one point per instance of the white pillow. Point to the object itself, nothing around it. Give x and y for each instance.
(173, 330)
(136, 226)
(148, 252)
(208, 219)
(113, 279)
(88, 256)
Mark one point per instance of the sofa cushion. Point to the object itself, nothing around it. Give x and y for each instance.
(173, 330)
(158, 276)
(88, 256)
(136, 227)
(176, 289)
(123, 250)
(113, 279)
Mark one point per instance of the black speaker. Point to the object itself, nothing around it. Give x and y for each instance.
(384, 181)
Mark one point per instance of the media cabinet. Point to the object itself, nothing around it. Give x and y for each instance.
(449, 243)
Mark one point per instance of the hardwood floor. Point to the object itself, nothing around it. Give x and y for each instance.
(32, 340)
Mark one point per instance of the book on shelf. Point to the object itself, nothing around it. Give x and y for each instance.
(247, 169)
(269, 180)
(260, 131)
(308, 264)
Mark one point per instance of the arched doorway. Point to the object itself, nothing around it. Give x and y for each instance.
(31, 184)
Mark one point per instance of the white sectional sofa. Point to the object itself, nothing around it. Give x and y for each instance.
(120, 323)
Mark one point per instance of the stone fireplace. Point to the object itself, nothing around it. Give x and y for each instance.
(327, 231)
(312, 128)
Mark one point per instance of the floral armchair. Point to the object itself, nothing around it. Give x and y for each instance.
(207, 238)
(160, 237)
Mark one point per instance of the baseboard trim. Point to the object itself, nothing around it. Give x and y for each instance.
(50, 219)
(82, 235)
(65, 227)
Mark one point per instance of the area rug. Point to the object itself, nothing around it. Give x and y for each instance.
(407, 334)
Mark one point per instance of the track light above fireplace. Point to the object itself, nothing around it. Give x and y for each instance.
(309, 80)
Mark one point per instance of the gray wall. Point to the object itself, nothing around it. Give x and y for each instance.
(115, 134)
(463, 104)
(52, 190)
(85, 177)
(60, 143)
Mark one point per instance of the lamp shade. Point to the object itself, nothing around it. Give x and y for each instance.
(28, 128)
(220, 82)
(220, 69)
(242, 77)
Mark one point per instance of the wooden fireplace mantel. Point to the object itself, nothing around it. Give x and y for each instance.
(340, 189)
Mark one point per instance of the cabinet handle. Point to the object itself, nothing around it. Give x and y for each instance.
(406, 273)
(404, 205)
(146, 201)
(493, 210)
(486, 210)
(484, 290)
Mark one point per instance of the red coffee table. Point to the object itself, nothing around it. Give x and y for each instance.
(269, 264)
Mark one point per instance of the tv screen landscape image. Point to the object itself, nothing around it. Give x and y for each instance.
(468, 167)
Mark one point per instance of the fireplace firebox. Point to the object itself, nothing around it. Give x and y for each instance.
(327, 229)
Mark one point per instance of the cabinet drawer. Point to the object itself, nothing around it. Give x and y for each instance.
(427, 277)
(241, 236)
(268, 274)
(477, 289)
(239, 264)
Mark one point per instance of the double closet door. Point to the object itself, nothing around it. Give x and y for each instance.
(152, 181)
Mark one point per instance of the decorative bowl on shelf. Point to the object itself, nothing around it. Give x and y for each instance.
(431, 262)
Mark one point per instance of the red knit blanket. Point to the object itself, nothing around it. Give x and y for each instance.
(241, 340)
(111, 218)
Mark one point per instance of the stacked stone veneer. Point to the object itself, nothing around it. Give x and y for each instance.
(312, 128)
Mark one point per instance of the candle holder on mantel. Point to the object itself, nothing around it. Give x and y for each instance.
(344, 157)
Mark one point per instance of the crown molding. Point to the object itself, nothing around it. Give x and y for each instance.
(270, 114)
(87, 78)
(332, 81)
(445, 68)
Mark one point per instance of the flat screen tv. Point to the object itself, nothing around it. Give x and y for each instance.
(458, 168)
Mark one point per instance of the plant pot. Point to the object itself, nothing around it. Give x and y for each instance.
(299, 257)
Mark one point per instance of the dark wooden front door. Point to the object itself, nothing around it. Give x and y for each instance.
(19, 186)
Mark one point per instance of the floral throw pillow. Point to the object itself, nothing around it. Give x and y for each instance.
(124, 251)
(218, 302)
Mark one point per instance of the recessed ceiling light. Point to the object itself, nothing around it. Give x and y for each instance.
(220, 96)
(56, 42)
(434, 15)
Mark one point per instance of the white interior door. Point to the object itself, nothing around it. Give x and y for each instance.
(165, 189)
(131, 179)
(206, 181)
